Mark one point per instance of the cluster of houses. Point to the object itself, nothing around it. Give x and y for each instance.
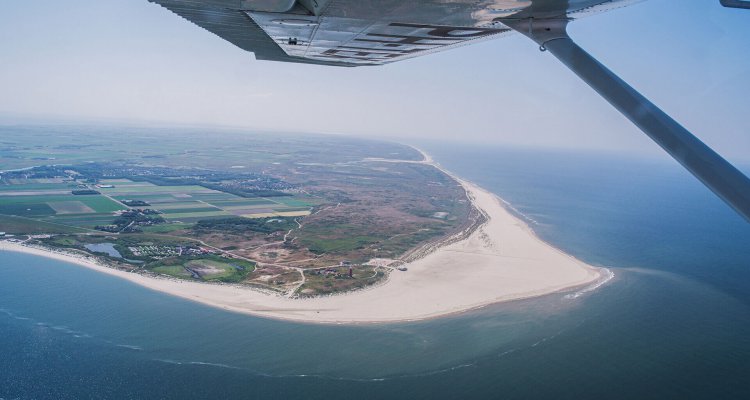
(169, 251)
(335, 272)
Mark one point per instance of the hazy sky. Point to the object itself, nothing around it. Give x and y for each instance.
(134, 61)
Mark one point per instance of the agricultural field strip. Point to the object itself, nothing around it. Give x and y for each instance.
(278, 214)
(15, 220)
(197, 214)
(35, 186)
(90, 221)
(168, 211)
(21, 193)
(96, 202)
(248, 206)
(27, 209)
(218, 196)
(181, 206)
(36, 181)
(239, 201)
(123, 190)
(80, 217)
(148, 198)
(71, 207)
(120, 181)
(163, 206)
(126, 182)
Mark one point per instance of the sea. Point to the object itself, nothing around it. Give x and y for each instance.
(674, 322)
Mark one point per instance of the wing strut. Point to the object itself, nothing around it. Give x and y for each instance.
(715, 172)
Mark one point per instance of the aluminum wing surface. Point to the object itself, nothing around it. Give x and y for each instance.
(362, 32)
(237, 27)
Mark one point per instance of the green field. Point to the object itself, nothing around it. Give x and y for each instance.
(70, 207)
(220, 196)
(35, 199)
(97, 202)
(241, 202)
(20, 225)
(166, 206)
(292, 202)
(26, 209)
(166, 228)
(200, 208)
(82, 220)
(197, 214)
(207, 268)
(149, 198)
(35, 186)
(124, 182)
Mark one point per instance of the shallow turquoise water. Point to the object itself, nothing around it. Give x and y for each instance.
(674, 323)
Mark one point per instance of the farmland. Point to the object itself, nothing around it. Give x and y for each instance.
(179, 205)
(192, 203)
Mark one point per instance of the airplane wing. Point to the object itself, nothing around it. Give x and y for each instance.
(376, 32)
(362, 32)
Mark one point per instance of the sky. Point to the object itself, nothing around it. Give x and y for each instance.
(133, 61)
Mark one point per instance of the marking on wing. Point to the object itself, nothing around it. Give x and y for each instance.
(374, 43)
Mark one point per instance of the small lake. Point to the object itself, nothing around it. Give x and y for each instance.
(107, 248)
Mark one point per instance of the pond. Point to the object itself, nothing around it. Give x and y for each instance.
(107, 248)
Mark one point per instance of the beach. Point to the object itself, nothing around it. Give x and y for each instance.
(501, 260)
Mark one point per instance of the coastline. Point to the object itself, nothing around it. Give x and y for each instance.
(502, 260)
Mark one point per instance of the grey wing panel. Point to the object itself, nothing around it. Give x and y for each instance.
(363, 41)
(236, 27)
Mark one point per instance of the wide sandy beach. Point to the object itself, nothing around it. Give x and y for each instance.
(502, 260)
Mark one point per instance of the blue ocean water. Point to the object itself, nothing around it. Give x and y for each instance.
(674, 323)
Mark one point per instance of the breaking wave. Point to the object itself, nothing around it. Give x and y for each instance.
(608, 275)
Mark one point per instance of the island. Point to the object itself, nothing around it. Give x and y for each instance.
(315, 228)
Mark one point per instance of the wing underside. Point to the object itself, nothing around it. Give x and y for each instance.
(360, 32)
